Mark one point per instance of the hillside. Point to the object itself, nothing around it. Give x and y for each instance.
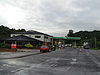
(5, 31)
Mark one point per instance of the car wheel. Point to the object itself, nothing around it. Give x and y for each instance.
(48, 50)
(41, 51)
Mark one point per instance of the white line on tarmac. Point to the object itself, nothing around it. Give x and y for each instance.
(92, 58)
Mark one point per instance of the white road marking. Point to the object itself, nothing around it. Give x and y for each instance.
(14, 71)
(92, 58)
(74, 60)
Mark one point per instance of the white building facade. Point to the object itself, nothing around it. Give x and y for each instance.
(34, 34)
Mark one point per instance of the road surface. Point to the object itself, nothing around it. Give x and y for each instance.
(67, 61)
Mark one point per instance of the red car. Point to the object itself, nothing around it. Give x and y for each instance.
(44, 49)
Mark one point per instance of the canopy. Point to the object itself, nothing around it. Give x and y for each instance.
(66, 38)
(22, 38)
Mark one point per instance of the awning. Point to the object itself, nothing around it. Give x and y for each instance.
(22, 38)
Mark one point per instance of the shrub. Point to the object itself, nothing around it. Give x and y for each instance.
(20, 46)
(3, 45)
(98, 44)
(28, 45)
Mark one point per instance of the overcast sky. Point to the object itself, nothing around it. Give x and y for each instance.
(54, 17)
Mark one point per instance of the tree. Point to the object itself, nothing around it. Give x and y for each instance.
(70, 33)
(5, 31)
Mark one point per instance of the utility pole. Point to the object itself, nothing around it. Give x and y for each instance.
(52, 41)
(95, 42)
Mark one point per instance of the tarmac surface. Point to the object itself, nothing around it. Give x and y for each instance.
(68, 61)
(20, 53)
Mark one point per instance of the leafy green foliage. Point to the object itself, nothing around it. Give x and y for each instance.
(5, 31)
(70, 33)
(98, 44)
(28, 45)
(86, 36)
(3, 45)
(89, 36)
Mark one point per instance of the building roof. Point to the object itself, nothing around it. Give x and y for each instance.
(22, 38)
(2, 39)
(31, 32)
(67, 38)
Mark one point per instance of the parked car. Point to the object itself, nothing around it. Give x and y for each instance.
(68, 45)
(44, 49)
(86, 47)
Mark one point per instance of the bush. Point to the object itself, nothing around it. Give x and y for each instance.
(3, 45)
(28, 45)
(98, 44)
(20, 46)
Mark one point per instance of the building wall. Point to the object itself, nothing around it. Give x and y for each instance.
(35, 36)
(47, 39)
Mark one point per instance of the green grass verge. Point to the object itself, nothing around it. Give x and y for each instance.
(95, 48)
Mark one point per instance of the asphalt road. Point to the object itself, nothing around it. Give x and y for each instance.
(67, 61)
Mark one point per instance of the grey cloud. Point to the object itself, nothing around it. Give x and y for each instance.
(55, 16)
(79, 15)
(2, 20)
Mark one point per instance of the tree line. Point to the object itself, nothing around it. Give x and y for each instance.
(93, 37)
(6, 31)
